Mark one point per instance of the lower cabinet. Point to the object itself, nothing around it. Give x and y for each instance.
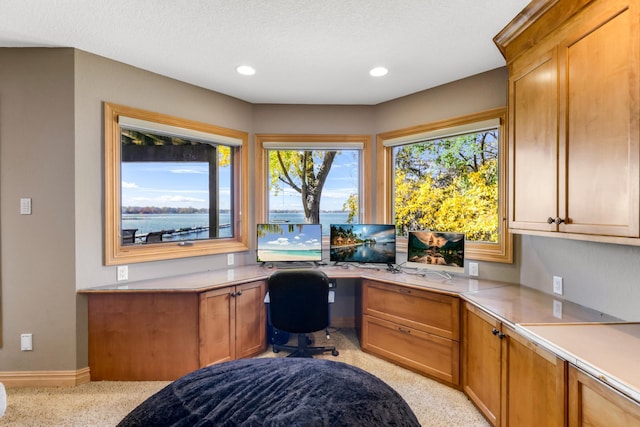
(232, 323)
(593, 403)
(161, 336)
(414, 328)
(511, 380)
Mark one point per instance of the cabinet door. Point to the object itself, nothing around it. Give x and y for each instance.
(481, 362)
(251, 319)
(217, 320)
(593, 403)
(599, 62)
(536, 384)
(533, 149)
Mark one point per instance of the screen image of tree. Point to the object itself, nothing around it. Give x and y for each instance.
(313, 186)
(363, 243)
(449, 184)
(432, 248)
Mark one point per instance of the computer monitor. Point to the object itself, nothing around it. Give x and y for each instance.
(435, 250)
(362, 243)
(289, 242)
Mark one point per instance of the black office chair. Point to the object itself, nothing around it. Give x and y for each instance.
(299, 304)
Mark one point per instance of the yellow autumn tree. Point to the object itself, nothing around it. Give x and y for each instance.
(449, 185)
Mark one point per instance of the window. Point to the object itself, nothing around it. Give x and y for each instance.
(450, 176)
(312, 178)
(172, 187)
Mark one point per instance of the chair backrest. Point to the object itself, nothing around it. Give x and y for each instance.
(299, 300)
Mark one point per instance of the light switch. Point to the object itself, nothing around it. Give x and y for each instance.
(25, 206)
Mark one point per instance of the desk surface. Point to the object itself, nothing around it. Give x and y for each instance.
(204, 281)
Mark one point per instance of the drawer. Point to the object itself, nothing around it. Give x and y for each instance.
(430, 312)
(426, 353)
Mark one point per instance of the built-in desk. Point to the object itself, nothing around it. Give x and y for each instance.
(166, 315)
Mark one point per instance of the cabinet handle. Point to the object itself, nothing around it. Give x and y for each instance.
(233, 294)
(494, 331)
(239, 293)
(501, 335)
(406, 331)
(404, 290)
(556, 221)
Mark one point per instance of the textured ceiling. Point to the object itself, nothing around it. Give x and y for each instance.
(304, 51)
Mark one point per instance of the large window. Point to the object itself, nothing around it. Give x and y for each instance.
(172, 187)
(311, 179)
(450, 176)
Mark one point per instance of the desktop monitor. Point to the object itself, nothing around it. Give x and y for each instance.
(289, 242)
(433, 250)
(363, 243)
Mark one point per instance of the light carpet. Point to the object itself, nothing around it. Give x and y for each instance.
(105, 403)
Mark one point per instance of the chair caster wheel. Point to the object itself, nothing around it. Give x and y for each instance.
(335, 353)
(275, 350)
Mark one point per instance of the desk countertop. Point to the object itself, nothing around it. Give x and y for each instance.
(204, 281)
(607, 351)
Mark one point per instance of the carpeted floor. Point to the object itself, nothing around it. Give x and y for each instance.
(105, 403)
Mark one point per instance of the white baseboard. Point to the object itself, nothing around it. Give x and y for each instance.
(45, 378)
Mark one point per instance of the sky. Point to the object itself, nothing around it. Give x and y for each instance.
(183, 184)
(308, 238)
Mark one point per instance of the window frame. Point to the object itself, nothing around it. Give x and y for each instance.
(310, 141)
(495, 252)
(114, 251)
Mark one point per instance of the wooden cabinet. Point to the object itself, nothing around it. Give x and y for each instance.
(482, 362)
(232, 323)
(161, 336)
(594, 403)
(511, 380)
(142, 336)
(414, 328)
(574, 114)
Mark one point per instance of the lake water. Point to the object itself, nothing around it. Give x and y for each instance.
(146, 223)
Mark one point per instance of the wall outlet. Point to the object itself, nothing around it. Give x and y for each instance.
(230, 259)
(557, 309)
(123, 272)
(26, 342)
(557, 285)
(473, 269)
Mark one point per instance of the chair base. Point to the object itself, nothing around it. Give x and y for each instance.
(303, 349)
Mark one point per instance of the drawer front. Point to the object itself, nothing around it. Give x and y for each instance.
(429, 354)
(426, 311)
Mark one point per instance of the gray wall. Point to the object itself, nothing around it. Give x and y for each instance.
(51, 146)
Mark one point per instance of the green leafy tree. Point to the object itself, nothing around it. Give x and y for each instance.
(449, 184)
(305, 172)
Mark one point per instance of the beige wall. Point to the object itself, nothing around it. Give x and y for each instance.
(38, 250)
(51, 150)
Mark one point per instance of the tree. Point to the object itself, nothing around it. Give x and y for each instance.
(449, 184)
(305, 172)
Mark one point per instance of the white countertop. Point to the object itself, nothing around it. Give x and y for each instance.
(607, 351)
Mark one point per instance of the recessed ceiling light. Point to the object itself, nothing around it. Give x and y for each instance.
(246, 70)
(378, 71)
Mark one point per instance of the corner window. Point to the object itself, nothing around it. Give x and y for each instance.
(451, 176)
(172, 187)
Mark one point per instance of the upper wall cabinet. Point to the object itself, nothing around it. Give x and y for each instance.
(574, 95)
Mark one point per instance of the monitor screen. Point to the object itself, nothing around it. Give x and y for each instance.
(363, 243)
(436, 250)
(289, 242)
